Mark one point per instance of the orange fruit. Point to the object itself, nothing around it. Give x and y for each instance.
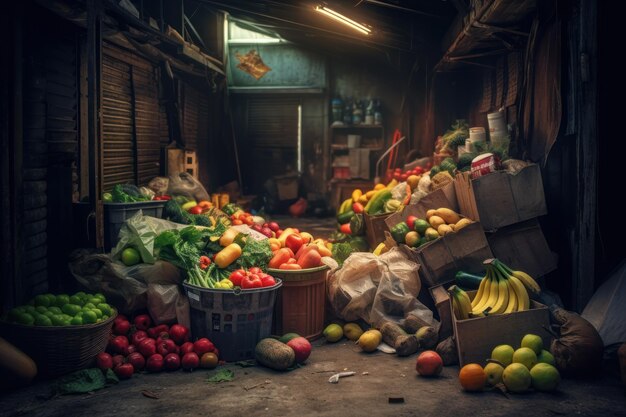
(472, 377)
(209, 360)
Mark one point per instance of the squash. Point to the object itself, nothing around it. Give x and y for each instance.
(16, 367)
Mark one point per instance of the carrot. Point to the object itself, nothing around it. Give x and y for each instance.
(290, 266)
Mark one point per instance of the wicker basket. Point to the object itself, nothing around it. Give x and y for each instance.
(58, 350)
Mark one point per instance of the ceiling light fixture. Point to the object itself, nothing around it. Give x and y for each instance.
(343, 19)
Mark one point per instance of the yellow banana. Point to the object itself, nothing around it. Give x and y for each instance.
(523, 301)
(456, 309)
(490, 295)
(379, 249)
(513, 300)
(379, 186)
(356, 194)
(363, 199)
(528, 281)
(345, 206)
(370, 194)
(460, 303)
(392, 183)
(480, 292)
(503, 297)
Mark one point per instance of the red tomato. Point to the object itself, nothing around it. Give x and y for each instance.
(345, 229)
(195, 210)
(255, 270)
(268, 281)
(396, 176)
(398, 170)
(419, 170)
(410, 221)
(237, 276)
(251, 281)
(294, 242)
(403, 177)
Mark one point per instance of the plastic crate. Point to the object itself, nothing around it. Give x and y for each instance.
(115, 214)
(233, 321)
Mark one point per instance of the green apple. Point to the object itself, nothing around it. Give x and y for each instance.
(525, 356)
(503, 354)
(533, 342)
(546, 357)
(494, 371)
(545, 377)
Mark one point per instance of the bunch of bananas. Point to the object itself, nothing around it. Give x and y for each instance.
(501, 291)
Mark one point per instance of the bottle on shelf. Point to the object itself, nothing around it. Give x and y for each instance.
(357, 112)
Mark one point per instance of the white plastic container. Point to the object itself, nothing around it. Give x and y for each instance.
(497, 125)
(354, 141)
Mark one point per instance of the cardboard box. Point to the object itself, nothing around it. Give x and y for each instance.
(287, 187)
(359, 160)
(375, 227)
(501, 199)
(476, 338)
(523, 247)
(442, 303)
(441, 258)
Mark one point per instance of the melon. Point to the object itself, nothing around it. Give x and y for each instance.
(274, 354)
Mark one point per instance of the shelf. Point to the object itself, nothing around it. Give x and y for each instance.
(348, 127)
(494, 27)
(337, 147)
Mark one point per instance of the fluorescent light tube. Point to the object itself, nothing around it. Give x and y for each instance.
(343, 19)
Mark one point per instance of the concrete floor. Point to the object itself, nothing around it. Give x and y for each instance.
(258, 391)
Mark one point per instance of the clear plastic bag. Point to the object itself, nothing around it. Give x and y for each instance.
(377, 288)
(183, 184)
(396, 295)
(124, 286)
(139, 232)
(167, 304)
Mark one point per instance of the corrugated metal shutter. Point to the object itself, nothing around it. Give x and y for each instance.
(133, 123)
(34, 261)
(117, 121)
(272, 137)
(146, 123)
(191, 101)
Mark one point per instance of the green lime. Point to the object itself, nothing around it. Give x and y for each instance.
(42, 300)
(107, 197)
(57, 320)
(71, 309)
(61, 299)
(76, 321)
(105, 308)
(48, 314)
(42, 320)
(30, 309)
(89, 317)
(89, 306)
(26, 318)
(75, 299)
(94, 300)
(98, 312)
(130, 256)
(41, 309)
(101, 296)
(105, 317)
(55, 309)
(81, 294)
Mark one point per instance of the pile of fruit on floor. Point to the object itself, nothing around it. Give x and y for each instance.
(382, 384)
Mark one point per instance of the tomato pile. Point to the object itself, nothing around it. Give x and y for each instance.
(400, 175)
(252, 278)
(139, 346)
(297, 250)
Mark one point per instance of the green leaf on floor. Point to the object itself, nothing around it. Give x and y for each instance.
(221, 376)
(246, 364)
(81, 382)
